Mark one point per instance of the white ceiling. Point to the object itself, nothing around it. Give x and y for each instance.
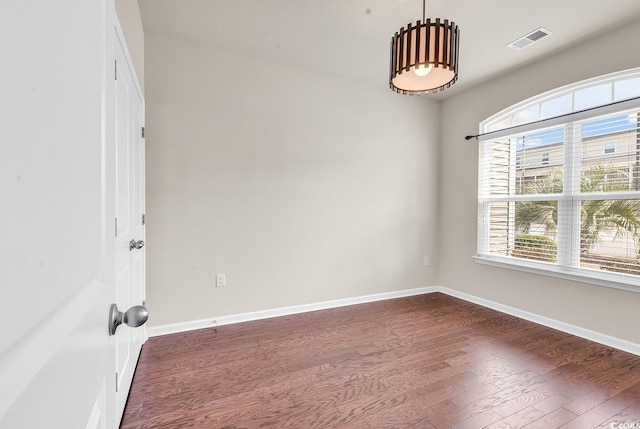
(350, 38)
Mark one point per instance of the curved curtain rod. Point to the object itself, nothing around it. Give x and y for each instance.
(469, 137)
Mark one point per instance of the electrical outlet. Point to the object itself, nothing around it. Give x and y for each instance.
(426, 261)
(221, 280)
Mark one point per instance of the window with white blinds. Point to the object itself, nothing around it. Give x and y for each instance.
(563, 195)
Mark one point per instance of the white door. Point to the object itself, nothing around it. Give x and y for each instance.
(56, 222)
(129, 200)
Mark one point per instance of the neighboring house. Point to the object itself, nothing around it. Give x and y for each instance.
(618, 151)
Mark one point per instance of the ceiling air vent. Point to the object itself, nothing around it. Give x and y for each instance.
(530, 38)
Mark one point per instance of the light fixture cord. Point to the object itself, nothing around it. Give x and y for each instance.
(423, 15)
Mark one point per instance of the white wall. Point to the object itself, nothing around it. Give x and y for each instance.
(605, 310)
(301, 187)
(128, 13)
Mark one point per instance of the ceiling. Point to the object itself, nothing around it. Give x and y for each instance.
(350, 38)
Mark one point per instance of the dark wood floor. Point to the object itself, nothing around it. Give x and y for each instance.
(430, 361)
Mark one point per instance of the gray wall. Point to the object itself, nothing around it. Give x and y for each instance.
(601, 309)
(301, 187)
(305, 187)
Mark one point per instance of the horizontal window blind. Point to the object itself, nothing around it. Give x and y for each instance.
(606, 153)
(566, 195)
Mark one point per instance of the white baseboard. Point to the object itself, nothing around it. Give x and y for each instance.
(174, 328)
(588, 334)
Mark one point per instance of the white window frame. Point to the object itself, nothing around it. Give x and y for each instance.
(568, 204)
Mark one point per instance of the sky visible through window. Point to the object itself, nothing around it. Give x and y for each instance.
(609, 125)
(589, 129)
(543, 138)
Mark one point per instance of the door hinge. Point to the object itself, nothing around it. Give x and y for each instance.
(142, 132)
(115, 71)
(116, 382)
(116, 227)
(143, 218)
(144, 302)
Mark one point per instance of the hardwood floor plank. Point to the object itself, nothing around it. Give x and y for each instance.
(472, 395)
(602, 412)
(425, 362)
(552, 403)
(405, 415)
(521, 402)
(629, 415)
(478, 421)
(587, 402)
(554, 419)
(517, 420)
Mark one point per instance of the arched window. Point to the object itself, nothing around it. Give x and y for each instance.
(559, 183)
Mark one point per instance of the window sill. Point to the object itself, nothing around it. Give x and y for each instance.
(614, 280)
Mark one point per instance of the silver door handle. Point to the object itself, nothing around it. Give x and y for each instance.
(133, 317)
(133, 244)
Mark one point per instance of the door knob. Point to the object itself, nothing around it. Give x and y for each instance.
(133, 317)
(133, 244)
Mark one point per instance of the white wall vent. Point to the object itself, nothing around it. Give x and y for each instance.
(529, 39)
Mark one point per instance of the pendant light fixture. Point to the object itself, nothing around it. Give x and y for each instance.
(424, 57)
